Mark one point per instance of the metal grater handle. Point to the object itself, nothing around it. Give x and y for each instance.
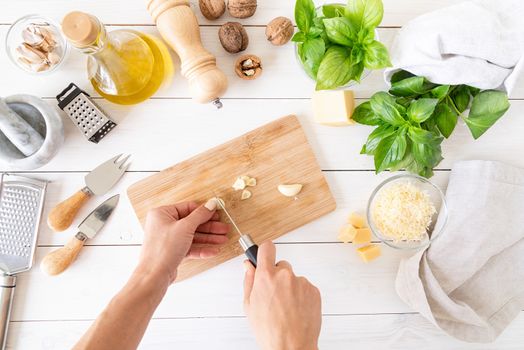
(7, 288)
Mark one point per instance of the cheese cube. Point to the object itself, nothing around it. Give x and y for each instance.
(357, 220)
(347, 233)
(333, 107)
(369, 252)
(363, 236)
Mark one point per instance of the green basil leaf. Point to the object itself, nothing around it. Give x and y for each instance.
(421, 136)
(400, 75)
(357, 54)
(311, 53)
(421, 109)
(386, 108)
(427, 155)
(473, 91)
(365, 13)
(446, 119)
(411, 87)
(440, 91)
(406, 161)
(335, 69)
(315, 32)
(461, 97)
(340, 31)
(375, 137)
(390, 151)
(376, 56)
(487, 107)
(333, 10)
(304, 14)
(364, 115)
(403, 101)
(299, 37)
(420, 169)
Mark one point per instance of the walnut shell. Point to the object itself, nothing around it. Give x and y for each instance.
(233, 37)
(212, 9)
(279, 31)
(248, 67)
(242, 8)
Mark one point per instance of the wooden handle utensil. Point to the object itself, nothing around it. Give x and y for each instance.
(62, 216)
(58, 260)
(178, 25)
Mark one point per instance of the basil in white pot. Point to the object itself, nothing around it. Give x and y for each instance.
(337, 44)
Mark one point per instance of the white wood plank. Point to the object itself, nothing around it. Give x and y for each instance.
(351, 191)
(160, 133)
(349, 286)
(356, 332)
(397, 12)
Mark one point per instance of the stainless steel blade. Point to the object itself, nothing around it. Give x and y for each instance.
(222, 206)
(94, 222)
(106, 175)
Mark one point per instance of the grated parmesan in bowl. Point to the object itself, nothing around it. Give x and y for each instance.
(403, 212)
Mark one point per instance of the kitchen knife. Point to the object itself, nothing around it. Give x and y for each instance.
(245, 240)
(98, 182)
(59, 260)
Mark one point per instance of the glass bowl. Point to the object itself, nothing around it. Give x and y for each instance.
(350, 83)
(438, 220)
(14, 39)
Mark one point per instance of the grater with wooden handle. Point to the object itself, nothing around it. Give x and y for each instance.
(21, 203)
(86, 115)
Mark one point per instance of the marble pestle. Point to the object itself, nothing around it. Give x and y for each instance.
(18, 131)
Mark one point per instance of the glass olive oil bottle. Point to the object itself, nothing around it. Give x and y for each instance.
(124, 66)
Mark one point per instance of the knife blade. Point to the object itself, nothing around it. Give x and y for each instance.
(60, 259)
(245, 240)
(97, 182)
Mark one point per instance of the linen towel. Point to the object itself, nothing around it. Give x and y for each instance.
(470, 281)
(477, 43)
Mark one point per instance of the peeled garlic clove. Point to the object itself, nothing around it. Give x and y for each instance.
(30, 53)
(220, 202)
(290, 190)
(31, 37)
(42, 67)
(251, 182)
(53, 58)
(239, 184)
(246, 194)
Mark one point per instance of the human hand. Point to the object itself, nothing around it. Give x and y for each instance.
(177, 231)
(283, 309)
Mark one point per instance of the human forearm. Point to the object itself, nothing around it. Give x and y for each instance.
(124, 321)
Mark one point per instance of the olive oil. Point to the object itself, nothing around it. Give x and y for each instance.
(124, 66)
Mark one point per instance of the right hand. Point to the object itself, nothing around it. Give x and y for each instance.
(283, 309)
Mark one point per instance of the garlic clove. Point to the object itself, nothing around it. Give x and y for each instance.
(239, 184)
(53, 58)
(246, 194)
(251, 182)
(31, 37)
(290, 190)
(42, 67)
(220, 202)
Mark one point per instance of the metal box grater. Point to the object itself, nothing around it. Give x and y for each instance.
(86, 115)
(21, 204)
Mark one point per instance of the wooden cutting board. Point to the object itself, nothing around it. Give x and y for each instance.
(274, 154)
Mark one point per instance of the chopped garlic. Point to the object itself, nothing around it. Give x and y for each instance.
(246, 194)
(290, 190)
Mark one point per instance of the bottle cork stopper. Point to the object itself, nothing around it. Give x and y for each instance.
(80, 28)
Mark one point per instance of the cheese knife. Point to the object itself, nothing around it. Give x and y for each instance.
(98, 182)
(245, 240)
(58, 260)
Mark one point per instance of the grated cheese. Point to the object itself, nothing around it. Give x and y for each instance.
(403, 212)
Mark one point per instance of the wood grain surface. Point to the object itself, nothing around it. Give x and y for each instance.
(274, 154)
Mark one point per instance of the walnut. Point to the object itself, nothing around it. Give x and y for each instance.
(212, 9)
(242, 8)
(248, 67)
(233, 37)
(279, 31)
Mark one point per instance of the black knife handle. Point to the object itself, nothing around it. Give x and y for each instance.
(252, 253)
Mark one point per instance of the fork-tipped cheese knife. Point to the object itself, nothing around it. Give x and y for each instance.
(98, 182)
(58, 260)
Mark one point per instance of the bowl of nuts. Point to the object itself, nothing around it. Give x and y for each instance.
(35, 44)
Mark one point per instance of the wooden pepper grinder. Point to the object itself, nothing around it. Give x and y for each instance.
(178, 25)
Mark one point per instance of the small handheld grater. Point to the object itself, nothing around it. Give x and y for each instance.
(21, 203)
(86, 115)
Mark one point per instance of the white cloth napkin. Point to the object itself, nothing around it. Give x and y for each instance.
(470, 281)
(477, 43)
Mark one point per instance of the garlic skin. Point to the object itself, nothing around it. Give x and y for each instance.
(290, 190)
(246, 194)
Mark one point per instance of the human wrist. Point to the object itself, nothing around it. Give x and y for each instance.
(159, 278)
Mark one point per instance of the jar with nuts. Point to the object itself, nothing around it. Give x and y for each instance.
(242, 8)
(279, 31)
(248, 67)
(233, 37)
(212, 9)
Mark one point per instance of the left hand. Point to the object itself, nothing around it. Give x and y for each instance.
(177, 231)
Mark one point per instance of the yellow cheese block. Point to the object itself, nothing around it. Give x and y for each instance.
(333, 107)
(347, 234)
(369, 252)
(363, 236)
(357, 220)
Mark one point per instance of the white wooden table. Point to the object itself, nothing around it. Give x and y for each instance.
(361, 309)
